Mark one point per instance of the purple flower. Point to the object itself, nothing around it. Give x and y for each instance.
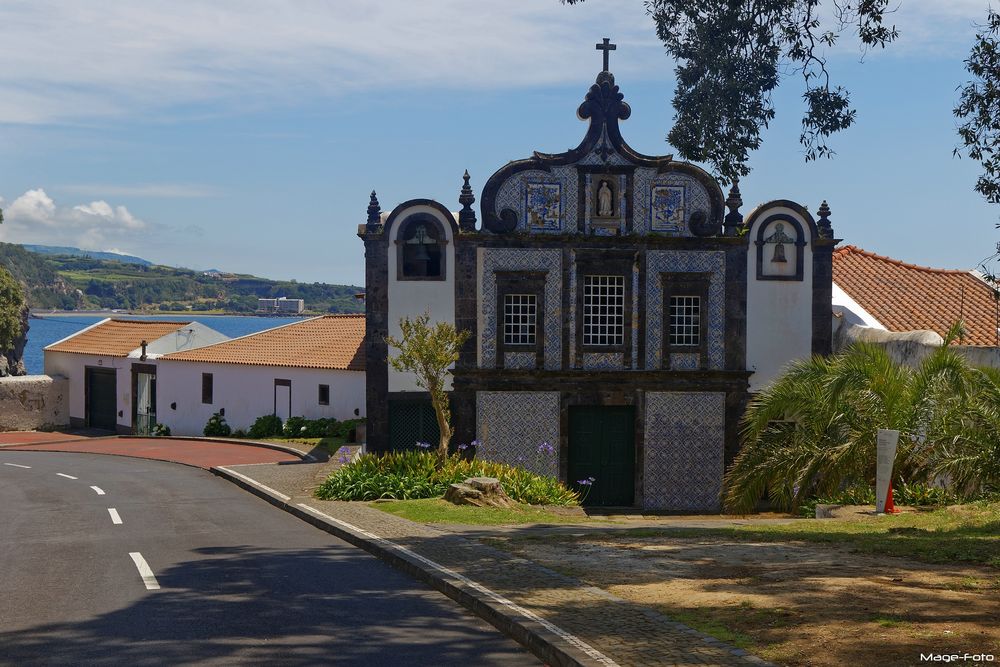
(585, 482)
(476, 443)
(423, 445)
(343, 459)
(462, 447)
(592, 479)
(546, 448)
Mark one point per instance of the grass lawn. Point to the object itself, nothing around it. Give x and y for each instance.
(330, 444)
(961, 533)
(435, 510)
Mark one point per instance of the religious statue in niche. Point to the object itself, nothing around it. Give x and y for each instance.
(605, 205)
(543, 204)
(667, 208)
(779, 238)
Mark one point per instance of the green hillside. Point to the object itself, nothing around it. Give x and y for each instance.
(52, 281)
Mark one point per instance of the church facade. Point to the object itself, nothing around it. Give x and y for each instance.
(618, 314)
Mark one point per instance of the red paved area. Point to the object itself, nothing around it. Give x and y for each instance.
(25, 437)
(191, 452)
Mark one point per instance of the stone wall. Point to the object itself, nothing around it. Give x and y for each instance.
(911, 347)
(33, 402)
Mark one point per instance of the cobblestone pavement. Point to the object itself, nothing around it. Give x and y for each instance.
(626, 633)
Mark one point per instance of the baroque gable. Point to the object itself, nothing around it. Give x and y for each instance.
(603, 187)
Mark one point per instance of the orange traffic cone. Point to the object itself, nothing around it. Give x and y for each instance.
(890, 507)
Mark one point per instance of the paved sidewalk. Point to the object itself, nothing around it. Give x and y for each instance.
(561, 619)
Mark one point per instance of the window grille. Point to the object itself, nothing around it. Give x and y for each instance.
(520, 315)
(604, 310)
(685, 321)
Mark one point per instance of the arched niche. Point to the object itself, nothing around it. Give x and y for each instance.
(780, 248)
(421, 248)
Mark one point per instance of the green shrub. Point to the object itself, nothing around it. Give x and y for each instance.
(161, 429)
(412, 474)
(239, 433)
(266, 427)
(217, 426)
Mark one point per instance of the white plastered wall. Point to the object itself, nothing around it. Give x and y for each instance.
(779, 312)
(247, 392)
(410, 298)
(73, 367)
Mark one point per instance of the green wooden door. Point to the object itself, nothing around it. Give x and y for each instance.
(411, 422)
(102, 406)
(602, 446)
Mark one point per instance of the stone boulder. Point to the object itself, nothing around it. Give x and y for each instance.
(479, 491)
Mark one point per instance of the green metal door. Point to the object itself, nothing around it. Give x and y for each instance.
(411, 422)
(602, 446)
(102, 406)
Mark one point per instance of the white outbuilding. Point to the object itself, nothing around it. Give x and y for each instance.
(112, 369)
(313, 368)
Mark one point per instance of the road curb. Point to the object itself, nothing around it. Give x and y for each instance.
(228, 441)
(543, 643)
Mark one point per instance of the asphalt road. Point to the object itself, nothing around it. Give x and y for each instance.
(239, 580)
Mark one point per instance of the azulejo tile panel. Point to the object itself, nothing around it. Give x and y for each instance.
(685, 361)
(683, 261)
(516, 259)
(603, 361)
(684, 450)
(549, 191)
(512, 425)
(519, 360)
(674, 191)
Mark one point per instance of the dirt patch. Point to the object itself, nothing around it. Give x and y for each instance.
(794, 603)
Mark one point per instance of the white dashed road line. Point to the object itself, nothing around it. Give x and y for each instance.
(62, 474)
(115, 519)
(98, 490)
(147, 574)
(16, 465)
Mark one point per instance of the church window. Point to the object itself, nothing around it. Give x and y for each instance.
(421, 248)
(685, 321)
(603, 310)
(520, 312)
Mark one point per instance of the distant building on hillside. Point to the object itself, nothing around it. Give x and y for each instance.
(280, 306)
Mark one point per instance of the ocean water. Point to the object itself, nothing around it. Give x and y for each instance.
(47, 329)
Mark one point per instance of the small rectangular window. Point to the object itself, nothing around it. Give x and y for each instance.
(685, 321)
(206, 388)
(324, 394)
(604, 310)
(520, 312)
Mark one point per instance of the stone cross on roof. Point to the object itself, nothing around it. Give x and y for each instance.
(607, 47)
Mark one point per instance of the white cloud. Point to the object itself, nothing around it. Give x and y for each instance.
(120, 58)
(35, 218)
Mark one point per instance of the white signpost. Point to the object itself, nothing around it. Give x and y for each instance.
(885, 456)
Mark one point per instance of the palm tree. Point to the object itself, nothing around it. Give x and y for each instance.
(813, 431)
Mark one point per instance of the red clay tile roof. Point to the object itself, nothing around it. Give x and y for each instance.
(907, 297)
(331, 341)
(115, 338)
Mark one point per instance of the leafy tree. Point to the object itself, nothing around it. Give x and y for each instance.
(813, 431)
(428, 352)
(979, 110)
(731, 55)
(11, 305)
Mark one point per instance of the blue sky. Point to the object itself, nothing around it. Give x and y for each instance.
(246, 136)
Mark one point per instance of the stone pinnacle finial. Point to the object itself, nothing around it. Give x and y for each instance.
(467, 216)
(824, 226)
(374, 213)
(734, 219)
